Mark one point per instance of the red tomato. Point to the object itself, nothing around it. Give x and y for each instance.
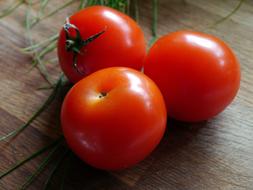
(114, 118)
(198, 74)
(119, 42)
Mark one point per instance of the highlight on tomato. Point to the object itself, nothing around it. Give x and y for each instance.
(114, 118)
(198, 74)
(98, 37)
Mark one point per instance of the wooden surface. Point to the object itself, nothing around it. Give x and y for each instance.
(217, 154)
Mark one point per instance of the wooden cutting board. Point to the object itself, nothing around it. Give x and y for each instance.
(216, 154)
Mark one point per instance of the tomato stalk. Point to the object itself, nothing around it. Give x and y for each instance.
(76, 43)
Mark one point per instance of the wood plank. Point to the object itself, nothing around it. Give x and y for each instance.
(217, 154)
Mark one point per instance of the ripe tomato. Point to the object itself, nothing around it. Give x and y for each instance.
(118, 41)
(198, 74)
(114, 118)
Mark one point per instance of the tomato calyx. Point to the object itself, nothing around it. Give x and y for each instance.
(75, 43)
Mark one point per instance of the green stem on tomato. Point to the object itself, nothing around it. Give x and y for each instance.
(35, 154)
(75, 44)
(38, 112)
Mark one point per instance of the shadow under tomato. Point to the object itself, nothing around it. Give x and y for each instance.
(184, 148)
(178, 139)
(79, 175)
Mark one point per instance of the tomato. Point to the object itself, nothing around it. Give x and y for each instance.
(198, 74)
(113, 118)
(118, 41)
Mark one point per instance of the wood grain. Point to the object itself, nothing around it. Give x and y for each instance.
(216, 154)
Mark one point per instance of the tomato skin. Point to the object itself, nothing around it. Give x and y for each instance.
(119, 129)
(122, 43)
(198, 74)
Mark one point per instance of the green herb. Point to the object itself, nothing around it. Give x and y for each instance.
(154, 22)
(41, 167)
(38, 112)
(229, 15)
(43, 4)
(28, 25)
(136, 10)
(55, 168)
(82, 4)
(38, 19)
(42, 44)
(35, 154)
(11, 8)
